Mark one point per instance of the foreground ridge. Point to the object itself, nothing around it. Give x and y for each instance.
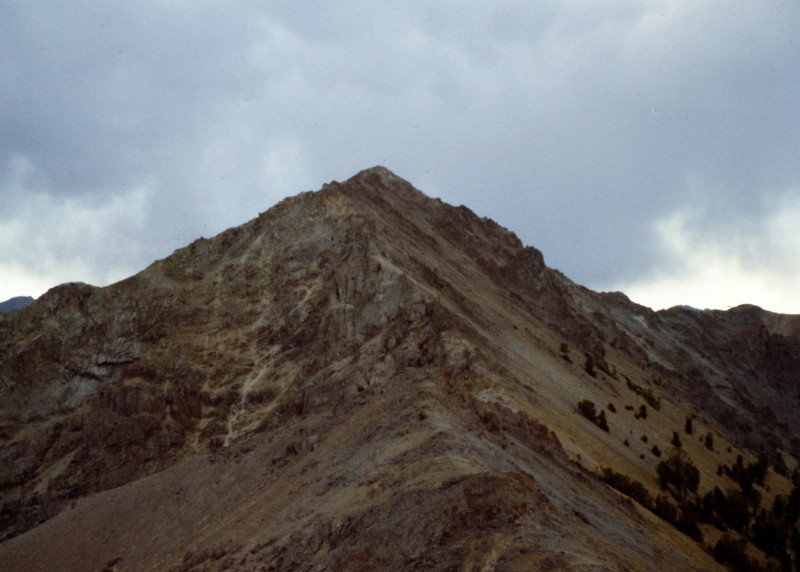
(366, 378)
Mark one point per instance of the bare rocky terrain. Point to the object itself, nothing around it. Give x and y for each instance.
(365, 378)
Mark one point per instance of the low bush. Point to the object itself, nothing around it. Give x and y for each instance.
(587, 408)
(602, 422)
(735, 512)
(665, 509)
(624, 484)
(651, 398)
(687, 525)
(678, 474)
(732, 552)
(748, 475)
(588, 366)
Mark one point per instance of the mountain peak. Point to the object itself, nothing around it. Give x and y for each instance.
(385, 175)
(380, 179)
(365, 377)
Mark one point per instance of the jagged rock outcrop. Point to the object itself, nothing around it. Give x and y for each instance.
(365, 378)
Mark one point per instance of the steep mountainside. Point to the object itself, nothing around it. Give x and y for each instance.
(364, 378)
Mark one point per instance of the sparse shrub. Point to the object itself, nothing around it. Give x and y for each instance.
(656, 451)
(587, 408)
(642, 414)
(793, 505)
(688, 426)
(645, 439)
(755, 498)
(779, 507)
(651, 398)
(735, 513)
(779, 465)
(676, 440)
(634, 489)
(625, 442)
(679, 474)
(612, 408)
(589, 366)
(747, 476)
(710, 506)
(759, 469)
(602, 422)
(564, 348)
(687, 524)
(686, 520)
(771, 533)
(709, 441)
(666, 510)
(732, 552)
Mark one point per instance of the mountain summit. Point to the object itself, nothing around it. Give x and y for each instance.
(365, 378)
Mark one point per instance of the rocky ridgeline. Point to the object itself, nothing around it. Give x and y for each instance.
(399, 367)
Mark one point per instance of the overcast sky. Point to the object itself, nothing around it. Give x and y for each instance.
(643, 146)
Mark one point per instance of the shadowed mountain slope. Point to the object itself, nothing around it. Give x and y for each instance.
(365, 378)
(15, 303)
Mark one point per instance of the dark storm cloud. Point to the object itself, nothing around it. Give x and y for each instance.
(103, 97)
(585, 130)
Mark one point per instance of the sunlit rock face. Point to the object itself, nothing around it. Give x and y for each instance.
(365, 378)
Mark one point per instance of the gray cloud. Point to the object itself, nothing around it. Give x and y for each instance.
(579, 129)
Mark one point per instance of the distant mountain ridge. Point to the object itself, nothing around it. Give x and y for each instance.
(15, 303)
(366, 378)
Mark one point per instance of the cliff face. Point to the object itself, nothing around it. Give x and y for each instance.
(367, 378)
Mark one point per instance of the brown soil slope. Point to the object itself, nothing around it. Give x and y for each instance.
(364, 378)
